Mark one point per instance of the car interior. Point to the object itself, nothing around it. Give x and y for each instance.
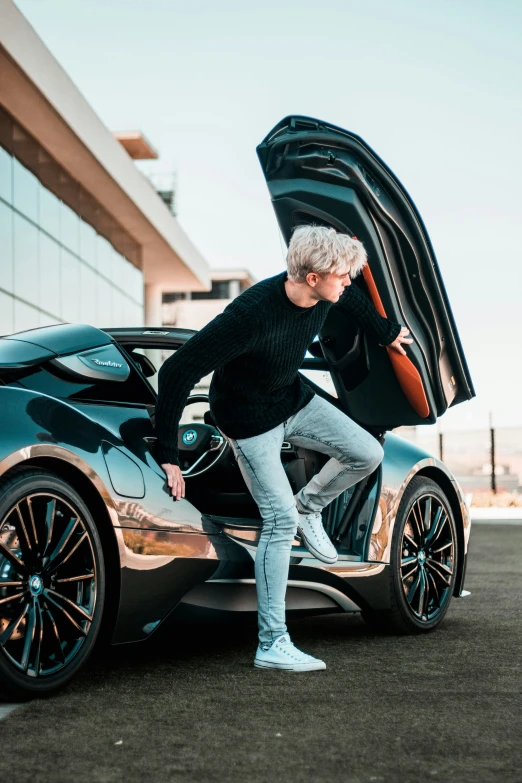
(213, 481)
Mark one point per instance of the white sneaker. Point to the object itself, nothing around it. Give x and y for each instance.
(310, 526)
(284, 655)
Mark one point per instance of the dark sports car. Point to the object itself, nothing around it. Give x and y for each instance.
(91, 543)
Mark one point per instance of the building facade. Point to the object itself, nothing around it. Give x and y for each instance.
(54, 265)
(84, 236)
(194, 309)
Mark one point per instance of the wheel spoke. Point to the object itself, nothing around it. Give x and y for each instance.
(438, 524)
(414, 587)
(29, 635)
(12, 627)
(427, 514)
(430, 578)
(446, 579)
(410, 573)
(38, 638)
(10, 584)
(49, 525)
(418, 523)
(411, 541)
(422, 592)
(76, 578)
(441, 548)
(73, 550)
(57, 556)
(83, 612)
(13, 559)
(407, 561)
(23, 537)
(31, 516)
(442, 566)
(14, 597)
(65, 613)
(55, 635)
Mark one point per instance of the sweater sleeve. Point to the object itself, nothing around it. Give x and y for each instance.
(357, 305)
(223, 339)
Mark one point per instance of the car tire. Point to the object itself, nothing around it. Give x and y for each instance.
(423, 562)
(52, 583)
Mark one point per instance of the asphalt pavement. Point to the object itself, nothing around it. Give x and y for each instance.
(190, 707)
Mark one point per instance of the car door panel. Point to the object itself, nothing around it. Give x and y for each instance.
(317, 173)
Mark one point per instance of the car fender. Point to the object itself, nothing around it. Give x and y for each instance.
(402, 461)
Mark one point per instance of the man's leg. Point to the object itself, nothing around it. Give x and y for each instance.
(354, 452)
(259, 459)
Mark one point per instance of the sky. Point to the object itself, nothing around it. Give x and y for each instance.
(434, 86)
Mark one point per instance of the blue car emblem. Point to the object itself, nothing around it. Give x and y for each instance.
(36, 585)
(189, 437)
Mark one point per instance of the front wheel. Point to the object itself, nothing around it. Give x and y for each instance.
(52, 583)
(423, 561)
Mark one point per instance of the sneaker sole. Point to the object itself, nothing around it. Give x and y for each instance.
(291, 667)
(314, 551)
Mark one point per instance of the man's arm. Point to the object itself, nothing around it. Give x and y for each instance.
(223, 339)
(357, 305)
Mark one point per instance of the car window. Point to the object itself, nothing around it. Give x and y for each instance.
(321, 378)
(194, 411)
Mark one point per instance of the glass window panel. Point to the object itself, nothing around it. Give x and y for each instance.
(70, 287)
(138, 288)
(50, 293)
(25, 316)
(104, 302)
(50, 208)
(6, 176)
(88, 305)
(117, 269)
(25, 191)
(6, 247)
(88, 243)
(321, 378)
(118, 307)
(25, 260)
(6, 313)
(103, 256)
(70, 228)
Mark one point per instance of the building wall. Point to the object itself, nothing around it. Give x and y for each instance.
(191, 313)
(54, 266)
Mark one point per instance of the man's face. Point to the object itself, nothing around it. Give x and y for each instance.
(328, 287)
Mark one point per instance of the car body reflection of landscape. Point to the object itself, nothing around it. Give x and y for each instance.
(91, 543)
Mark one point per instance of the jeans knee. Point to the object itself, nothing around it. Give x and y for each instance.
(282, 526)
(374, 456)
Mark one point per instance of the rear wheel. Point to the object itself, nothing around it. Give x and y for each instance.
(52, 583)
(423, 561)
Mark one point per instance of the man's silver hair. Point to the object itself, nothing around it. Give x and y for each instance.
(322, 250)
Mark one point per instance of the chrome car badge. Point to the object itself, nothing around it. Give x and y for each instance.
(36, 584)
(189, 437)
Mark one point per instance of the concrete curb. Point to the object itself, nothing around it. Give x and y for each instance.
(496, 514)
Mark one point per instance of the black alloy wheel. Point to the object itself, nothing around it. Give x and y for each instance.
(423, 561)
(52, 583)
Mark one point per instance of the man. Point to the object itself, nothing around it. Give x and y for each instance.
(258, 399)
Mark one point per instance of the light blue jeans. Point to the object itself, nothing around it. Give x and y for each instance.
(354, 454)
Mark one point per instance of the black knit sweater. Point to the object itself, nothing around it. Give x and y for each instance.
(255, 347)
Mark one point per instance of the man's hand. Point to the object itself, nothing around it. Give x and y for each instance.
(402, 337)
(175, 480)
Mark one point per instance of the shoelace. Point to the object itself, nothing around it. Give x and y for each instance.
(318, 530)
(289, 643)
